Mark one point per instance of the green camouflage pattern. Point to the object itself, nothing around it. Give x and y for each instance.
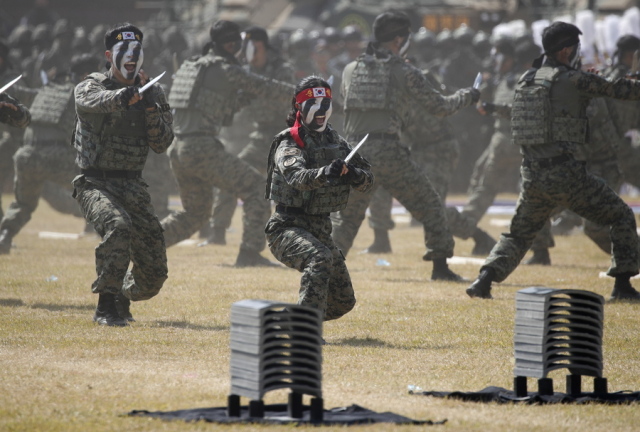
(370, 85)
(51, 106)
(567, 185)
(303, 241)
(120, 211)
(200, 163)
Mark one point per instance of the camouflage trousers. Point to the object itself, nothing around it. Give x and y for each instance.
(201, 163)
(397, 172)
(157, 173)
(8, 146)
(255, 154)
(497, 167)
(304, 243)
(34, 165)
(120, 211)
(437, 161)
(566, 185)
(609, 171)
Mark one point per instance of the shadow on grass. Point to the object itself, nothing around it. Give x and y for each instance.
(377, 343)
(189, 326)
(61, 307)
(11, 302)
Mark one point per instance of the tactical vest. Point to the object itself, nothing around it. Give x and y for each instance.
(201, 84)
(532, 119)
(112, 141)
(370, 86)
(52, 107)
(327, 199)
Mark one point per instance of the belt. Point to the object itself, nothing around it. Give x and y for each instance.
(112, 174)
(289, 210)
(546, 163)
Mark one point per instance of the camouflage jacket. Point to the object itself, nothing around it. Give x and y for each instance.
(569, 97)
(92, 97)
(625, 114)
(412, 91)
(18, 119)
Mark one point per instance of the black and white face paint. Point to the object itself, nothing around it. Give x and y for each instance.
(249, 51)
(316, 112)
(127, 56)
(405, 46)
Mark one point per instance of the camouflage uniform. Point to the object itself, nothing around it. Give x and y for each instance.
(435, 149)
(626, 116)
(206, 95)
(380, 89)
(45, 155)
(267, 122)
(112, 142)
(552, 177)
(299, 232)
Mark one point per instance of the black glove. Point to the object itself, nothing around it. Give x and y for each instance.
(354, 175)
(149, 98)
(488, 107)
(126, 96)
(334, 169)
(475, 95)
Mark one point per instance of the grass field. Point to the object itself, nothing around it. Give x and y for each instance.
(61, 372)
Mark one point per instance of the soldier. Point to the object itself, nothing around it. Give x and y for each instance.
(308, 179)
(45, 154)
(115, 127)
(379, 90)
(548, 123)
(206, 94)
(263, 60)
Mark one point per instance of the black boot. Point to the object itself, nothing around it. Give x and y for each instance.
(484, 243)
(481, 287)
(622, 290)
(540, 257)
(381, 243)
(441, 271)
(5, 242)
(107, 313)
(122, 306)
(247, 258)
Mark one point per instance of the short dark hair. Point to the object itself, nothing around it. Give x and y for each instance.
(390, 24)
(256, 33)
(114, 34)
(560, 35)
(628, 43)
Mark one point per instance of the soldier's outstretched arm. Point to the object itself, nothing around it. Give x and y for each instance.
(433, 101)
(594, 85)
(92, 97)
(13, 112)
(258, 85)
(159, 121)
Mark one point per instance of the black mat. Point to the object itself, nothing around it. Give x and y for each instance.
(502, 395)
(277, 414)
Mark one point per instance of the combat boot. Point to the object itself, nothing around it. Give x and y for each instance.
(247, 258)
(540, 257)
(484, 243)
(216, 236)
(381, 243)
(442, 272)
(107, 313)
(5, 242)
(623, 291)
(123, 305)
(481, 287)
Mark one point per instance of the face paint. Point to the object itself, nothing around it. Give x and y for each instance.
(127, 56)
(316, 113)
(574, 58)
(250, 51)
(405, 46)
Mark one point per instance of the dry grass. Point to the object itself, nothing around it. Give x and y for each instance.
(61, 372)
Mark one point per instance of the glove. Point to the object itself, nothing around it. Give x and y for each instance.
(334, 169)
(475, 95)
(149, 98)
(354, 175)
(126, 96)
(488, 107)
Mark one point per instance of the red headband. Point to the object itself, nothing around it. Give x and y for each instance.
(312, 93)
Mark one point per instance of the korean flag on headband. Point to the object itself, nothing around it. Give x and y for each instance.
(319, 92)
(128, 36)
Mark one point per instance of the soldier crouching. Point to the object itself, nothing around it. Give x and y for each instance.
(115, 128)
(308, 179)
